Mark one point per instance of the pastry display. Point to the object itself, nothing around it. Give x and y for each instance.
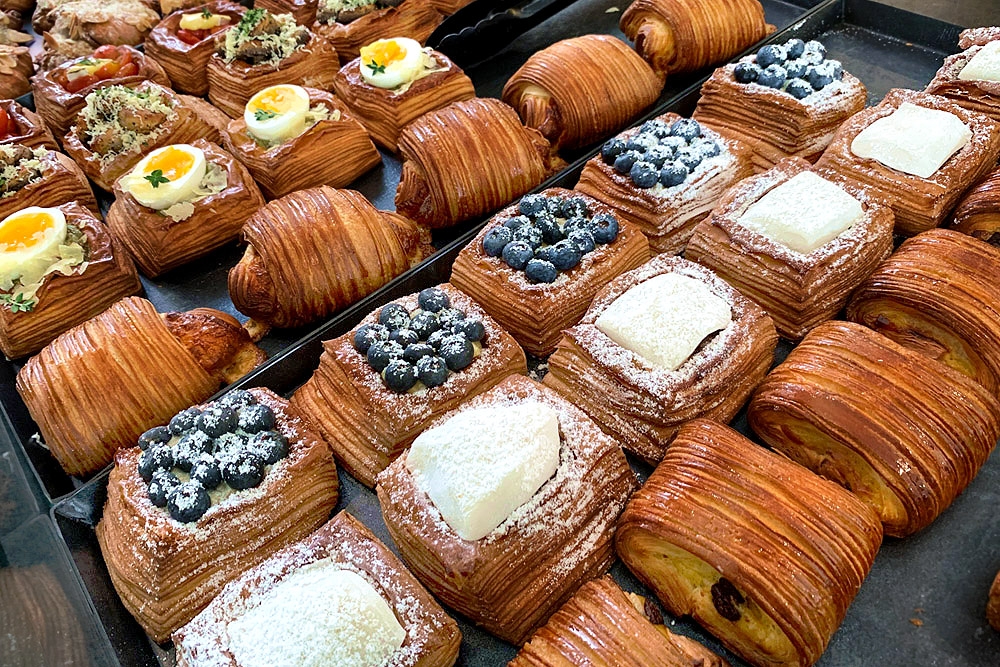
(787, 100)
(351, 24)
(978, 211)
(762, 553)
(120, 124)
(683, 35)
(214, 492)
(794, 242)
(20, 125)
(610, 627)
(931, 297)
(971, 79)
(144, 366)
(406, 364)
(181, 202)
(580, 90)
(364, 608)
(395, 81)
(16, 67)
(537, 264)
(499, 160)
(904, 433)
(665, 176)
(918, 152)
(506, 505)
(316, 251)
(40, 177)
(293, 138)
(74, 28)
(184, 41)
(661, 345)
(264, 50)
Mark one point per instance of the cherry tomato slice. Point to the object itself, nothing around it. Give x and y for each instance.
(107, 51)
(107, 70)
(128, 69)
(81, 82)
(191, 37)
(125, 58)
(5, 124)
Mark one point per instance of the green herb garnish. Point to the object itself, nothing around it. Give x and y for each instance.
(376, 68)
(262, 114)
(250, 19)
(18, 304)
(206, 13)
(156, 177)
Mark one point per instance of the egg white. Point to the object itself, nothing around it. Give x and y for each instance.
(15, 258)
(164, 195)
(397, 72)
(290, 118)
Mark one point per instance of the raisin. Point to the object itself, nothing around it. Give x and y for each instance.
(726, 599)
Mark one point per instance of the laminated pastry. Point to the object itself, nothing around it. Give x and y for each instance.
(665, 177)
(139, 366)
(971, 79)
(121, 124)
(364, 607)
(14, 12)
(394, 82)
(993, 604)
(978, 211)
(181, 202)
(686, 35)
(16, 67)
(537, 264)
(265, 50)
(316, 251)
(980, 36)
(184, 41)
(59, 267)
(916, 151)
(447, 7)
(351, 24)
(293, 138)
(217, 491)
(794, 242)
(580, 90)
(505, 530)
(661, 345)
(903, 432)
(468, 159)
(40, 177)
(406, 364)
(20, 125)
(604, 625)
(75, 28)
(934, 296)
(787, 100)
(761, 552)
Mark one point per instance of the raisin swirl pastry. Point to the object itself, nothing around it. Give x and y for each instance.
(971, 78)
(978, 211)
(762, 553)
(351, 24)
(20, 125)
(40, 177)
(216, 491)
(909, 452)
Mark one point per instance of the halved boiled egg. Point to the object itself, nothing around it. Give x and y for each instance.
(277, 113)
(32, 234)
(166, 176)
(390, 63)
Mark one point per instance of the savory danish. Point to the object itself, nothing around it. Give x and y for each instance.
(16, 67)
(794, 242)
(506, 505)
(661, 345)
(918, 152)
(40, 177)
(395, 81)
(536, 265)
(215, 492)
(351, 24)
(20, 125)
(904, 433)
(665, 177)
(971, 79)
(406, 364)
(292, 138)
(362, 608)
(74, 28)
(978, 211)
(144, 367)
(761, 552)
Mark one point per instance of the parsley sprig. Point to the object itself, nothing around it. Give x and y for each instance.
(206, 13)
(156, 177)
(263, 114)
(376, 68)
(18, 304)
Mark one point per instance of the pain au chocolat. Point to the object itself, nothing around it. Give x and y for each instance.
(971, 78)
(349, 27)
(978, 211)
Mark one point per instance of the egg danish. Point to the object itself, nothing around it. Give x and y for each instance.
(349, 27)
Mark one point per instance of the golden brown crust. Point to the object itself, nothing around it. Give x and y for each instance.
(16, 67)
(978, 211)
(449, 6)
(31, 129)
(62, 182)
(118, 22)
(303, 11)
(217, 341)
(980, 96)
(909, 452)
(415, 19)
(993, 604)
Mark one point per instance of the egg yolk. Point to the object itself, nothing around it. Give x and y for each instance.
(23, 231)
(276, 100)
(172, 162)
(382, 52)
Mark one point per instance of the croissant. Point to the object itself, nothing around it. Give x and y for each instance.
(978, 211)
(499, 161)
(20, 125)
(316, 251)
(101, 384)
(16, 67)
(980, 95)
(686, 35)
(764, 554)
(909, 452)
(39, 619)
(449, 6)
(415, 19)
(42, 177)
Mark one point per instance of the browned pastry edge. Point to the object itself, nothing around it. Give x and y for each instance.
(415, 19)
(16, 68)
(993, 604)
(978, 36)
(303, 11)
(218, 342)
(32, 131)
(978, 211)
(62, 181)
(980, 96)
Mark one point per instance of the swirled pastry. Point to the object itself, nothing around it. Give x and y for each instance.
(794, 242)
(316, 251)
(580, 90)
(916, 151)
(292, 138)
(686, 35)
(351, 24)
(468, 159)
(40, 177)
(199, 502)
(16, 67)
(661, 345)
(536, 265)
(764, 554)
(98, 386)
(406, 364)
(909, 452)
(978, 211)
(20, 125)
(362, 604)
(971, 79)
(665, 177)
(395, 82)
(506, 505)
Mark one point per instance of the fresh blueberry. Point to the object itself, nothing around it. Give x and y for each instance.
(517, 254)
(404, 336)
(227, 443)
(658, 155)
(574, 206)
(400, 376)
(772, 54)
(583, 240)
(794, 48)
(256, 418)
(836, 69)
(746, 72)
(243, 469)
(819, 77)
(637, 145)
(605, 228)
(811, 58)
(796, 69)
(434, 340)
(532, 205)
(417, 350)
(188, 502)
(706, 148)
(799, 89)
(530, 234)
(673, 174)
(190, 448)
(655, 127)
(160, 486)
(624, 162)
(206, 472)
(157, 457)
(644, 174)
(516, 222)
(472, 329)
(237, 398)
(449, 317)
(689, 157)
(432, 371)
(433, 299)
(544, 253)
(394, 316)
(686, 128)
(458, 352)
(424, 323)
(554, 205)
(813, 46)
(368, 334)
(566, 255)
(380, 354)
(674, 143)
(185, 420)
(269, 446)
(496, 239)
(551, 232)
(158, 435)
(575, 224)
(541, 271)
(773, 76)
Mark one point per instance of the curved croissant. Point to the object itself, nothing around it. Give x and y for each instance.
(686, 35)
(16, 67)
(415, 19)
(978, 211)
(580, 90)
(316, 251)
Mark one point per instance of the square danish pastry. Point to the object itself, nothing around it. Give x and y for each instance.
(971, 79)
